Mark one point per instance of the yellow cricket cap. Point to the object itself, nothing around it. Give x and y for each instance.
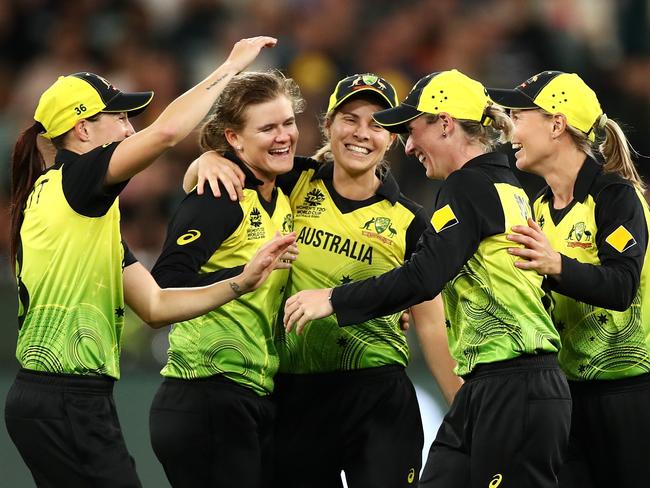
(352, 85)
(557, 93)
(451, 92)
(82, 95)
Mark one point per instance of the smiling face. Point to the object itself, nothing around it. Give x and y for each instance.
(531, 139)
(427, 143)
(357, 142)
(268, 139)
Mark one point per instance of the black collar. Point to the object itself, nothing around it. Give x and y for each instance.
(388, 188)
(491, 158)
(584, 181)
(65, 156)
(251, 180)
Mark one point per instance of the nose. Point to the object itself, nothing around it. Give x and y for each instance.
(283, 135)
(361, 132)
(409, 147)
(129, 129)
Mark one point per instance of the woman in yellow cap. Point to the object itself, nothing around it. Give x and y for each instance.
(590, 242)
(509, 422)
(343, 398)
(69, 264)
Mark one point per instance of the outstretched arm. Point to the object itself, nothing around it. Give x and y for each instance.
(181, 116)
(159, 307)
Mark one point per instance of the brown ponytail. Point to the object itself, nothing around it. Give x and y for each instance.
(617, 151)
(27, 164)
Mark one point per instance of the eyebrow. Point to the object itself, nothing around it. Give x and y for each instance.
(268, 126)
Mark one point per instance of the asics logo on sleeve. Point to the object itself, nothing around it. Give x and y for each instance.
(496, 481)
(410, 478)
(190, 236)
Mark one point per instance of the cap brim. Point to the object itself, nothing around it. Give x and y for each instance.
(366, 90)
(131, 103)
(395, 119)
(514, 98)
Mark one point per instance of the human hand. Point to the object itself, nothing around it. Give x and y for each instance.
(305, 306)
(404, 321)
(278, 253)
(245, 51)
(214, 168)
(537, 251)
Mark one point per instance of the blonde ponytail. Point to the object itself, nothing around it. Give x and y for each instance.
(324, 154)
(500, 122)
(498, 129)
(617, 152)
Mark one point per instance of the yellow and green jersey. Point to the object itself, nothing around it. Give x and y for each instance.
(210, 239)
(69, 269)
(342, 241)
(494, 310)
(601, 304)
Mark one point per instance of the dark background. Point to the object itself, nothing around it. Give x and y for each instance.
(168, 45)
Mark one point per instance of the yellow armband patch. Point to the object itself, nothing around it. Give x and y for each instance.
(621, 239)
(443, 218)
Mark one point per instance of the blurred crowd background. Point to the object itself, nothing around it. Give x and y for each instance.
(168, 45)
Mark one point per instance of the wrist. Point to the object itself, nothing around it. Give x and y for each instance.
(240, 284)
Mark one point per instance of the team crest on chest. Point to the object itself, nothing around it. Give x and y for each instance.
(379, 225)
(579, 236)
(312, 204)
(287, 224)
(255, 230)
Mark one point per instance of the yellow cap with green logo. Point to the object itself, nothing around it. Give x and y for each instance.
(352, 85)
(557, 93)
(451, 92)
(82, 95)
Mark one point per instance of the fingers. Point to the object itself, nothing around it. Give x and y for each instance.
(233, 181)
(245, 51)
(533, 225)
(523, 253)
(302, 323)
(264, 41)
(214, 184)
(524, 230)
(290, 254)
(280, 245)
(292, 312)
(529, 242)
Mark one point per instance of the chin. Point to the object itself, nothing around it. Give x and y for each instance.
(521, 164)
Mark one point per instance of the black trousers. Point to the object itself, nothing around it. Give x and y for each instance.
(364, 422)
(213, 433)
(508, 427)
(610, 434)
(67, 431)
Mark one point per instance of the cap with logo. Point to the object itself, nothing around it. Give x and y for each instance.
(355, 84)
(557, 93)
(82, 95)
(451, 92)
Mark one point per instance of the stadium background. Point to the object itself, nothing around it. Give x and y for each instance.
(167, 45)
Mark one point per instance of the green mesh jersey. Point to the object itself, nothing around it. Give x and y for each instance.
(342, 241)
(494, 310)
(69, 269)
(603, 237)
(207, 239)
